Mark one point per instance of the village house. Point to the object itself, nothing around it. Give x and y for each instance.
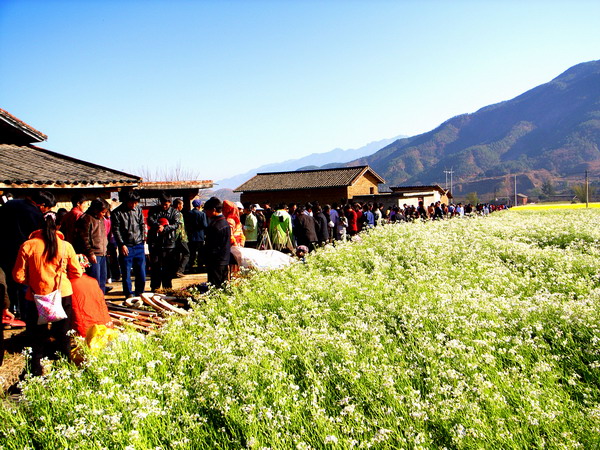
(25, 167)
(323, 185)
(410, 196)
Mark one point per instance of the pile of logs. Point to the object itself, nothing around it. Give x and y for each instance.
(147, 312)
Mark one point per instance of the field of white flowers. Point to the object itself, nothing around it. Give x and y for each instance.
(474, 333)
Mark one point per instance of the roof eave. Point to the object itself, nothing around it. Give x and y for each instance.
(28, 130)
(89, 164)
(60, 185)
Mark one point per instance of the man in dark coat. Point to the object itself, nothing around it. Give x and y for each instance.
(217, 243)
(196, 223)
(18, 219)
(321, 225)
(128, 228)
(305, 231)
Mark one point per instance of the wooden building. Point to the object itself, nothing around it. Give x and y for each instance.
(25, 167)
(325, 185)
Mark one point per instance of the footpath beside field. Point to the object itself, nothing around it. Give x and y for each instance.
(467, 333)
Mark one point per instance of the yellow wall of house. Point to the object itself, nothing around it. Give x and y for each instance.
(365, 185)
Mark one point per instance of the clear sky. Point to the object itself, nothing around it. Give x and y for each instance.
(221, 87)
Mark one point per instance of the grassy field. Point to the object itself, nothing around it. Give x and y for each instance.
(551, 206)
(469, 333)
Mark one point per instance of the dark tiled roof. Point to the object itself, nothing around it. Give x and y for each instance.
(306, 179)
(24, 166)
(15, 130)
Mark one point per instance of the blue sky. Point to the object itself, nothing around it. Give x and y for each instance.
(221, 87)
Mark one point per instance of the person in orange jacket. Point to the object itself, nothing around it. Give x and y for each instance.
(44, 264)
(232, 214)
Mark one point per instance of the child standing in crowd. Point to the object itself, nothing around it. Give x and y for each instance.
(341, 227)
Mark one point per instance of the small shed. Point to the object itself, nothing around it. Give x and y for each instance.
(25, 167)
(412, 195)
(301, 186)
(522, 199)
(186, 190)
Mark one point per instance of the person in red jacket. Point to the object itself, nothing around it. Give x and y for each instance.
(67, 224)
(352, 220)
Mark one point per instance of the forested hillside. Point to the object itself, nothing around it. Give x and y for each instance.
(549, 132)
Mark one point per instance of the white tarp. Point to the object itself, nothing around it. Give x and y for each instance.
(250, 258)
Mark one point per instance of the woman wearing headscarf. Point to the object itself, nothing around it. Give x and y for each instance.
(232, 214)
(44, 264)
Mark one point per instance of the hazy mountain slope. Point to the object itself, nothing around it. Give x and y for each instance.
(337, 155)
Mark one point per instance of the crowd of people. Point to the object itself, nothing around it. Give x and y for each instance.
(313, 225)
(42, 250)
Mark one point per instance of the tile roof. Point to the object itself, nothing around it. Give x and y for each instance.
(26, 166)
(306, 179)
(17, 130)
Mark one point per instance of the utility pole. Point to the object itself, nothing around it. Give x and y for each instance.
(587, 190)
(515, 190)
(449, 172)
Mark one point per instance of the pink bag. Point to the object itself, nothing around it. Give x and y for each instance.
(49, 306)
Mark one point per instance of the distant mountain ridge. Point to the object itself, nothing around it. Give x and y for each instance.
(551, 131)
(335, 157)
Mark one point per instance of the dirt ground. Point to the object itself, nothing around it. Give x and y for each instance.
(14, 339)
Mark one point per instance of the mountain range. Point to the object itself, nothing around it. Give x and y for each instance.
(551, 132)
(335, 157)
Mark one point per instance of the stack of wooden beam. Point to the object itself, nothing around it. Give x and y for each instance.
(147, 312)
